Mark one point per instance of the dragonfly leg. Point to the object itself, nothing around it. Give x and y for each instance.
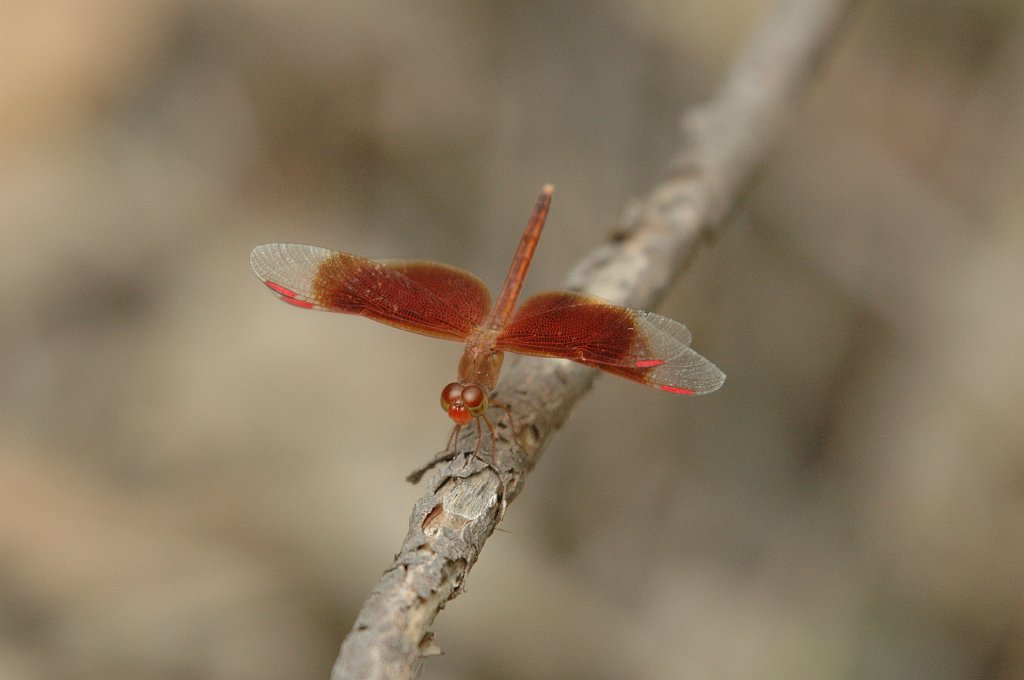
(452, 440)
(493, 463)
(511, 421)
(449, 452)
(494, 440)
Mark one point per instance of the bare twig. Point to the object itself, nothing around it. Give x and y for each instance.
(725, 142)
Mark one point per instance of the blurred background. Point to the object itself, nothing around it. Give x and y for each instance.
(197, 481)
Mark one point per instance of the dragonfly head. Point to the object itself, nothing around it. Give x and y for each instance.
(463, 402)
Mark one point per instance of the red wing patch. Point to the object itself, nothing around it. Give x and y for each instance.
(640, 346)
(422, 297)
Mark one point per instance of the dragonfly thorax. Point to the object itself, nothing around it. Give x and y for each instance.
(480, 363)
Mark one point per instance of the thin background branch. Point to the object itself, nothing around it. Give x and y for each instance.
(725, 143)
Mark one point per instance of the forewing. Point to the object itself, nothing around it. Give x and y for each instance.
(422, 297)
(641, 346)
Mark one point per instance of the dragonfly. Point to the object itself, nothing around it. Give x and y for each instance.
(446, 302)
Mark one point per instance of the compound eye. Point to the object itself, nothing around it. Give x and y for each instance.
(474, 399)
(451, 393)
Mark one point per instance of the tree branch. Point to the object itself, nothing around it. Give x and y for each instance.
(725, 142)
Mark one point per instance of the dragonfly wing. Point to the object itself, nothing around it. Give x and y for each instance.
(422, 297)
(641, 346)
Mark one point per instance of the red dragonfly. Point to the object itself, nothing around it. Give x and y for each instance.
(447, 302)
